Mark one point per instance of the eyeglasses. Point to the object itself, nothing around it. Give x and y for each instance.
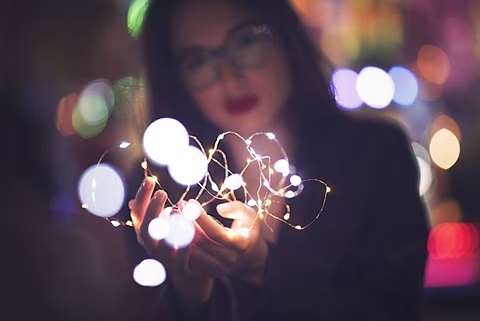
(248, 47)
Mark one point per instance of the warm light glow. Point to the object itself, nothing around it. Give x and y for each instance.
(444, 149)
(149, 273)
(282, 166)
(164, 139)
(102, 190)
(190, 166)
(375, 87)
(286, 217)
(124, 144)
(115, 223)
(444, 121)
(270, 135)
(433, 64)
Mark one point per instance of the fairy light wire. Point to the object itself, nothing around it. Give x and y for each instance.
(262, 202)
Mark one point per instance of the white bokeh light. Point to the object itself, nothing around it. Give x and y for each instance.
(150, 273)
(158, 228)
(191, 211)
(282, 166)
(406, 85)
(295, 180)
(189, 167)
(289, 194)
(344, 81)
(375, 87)
(101, 190)
(426, 177)
(251, 202)
(164, 139)
(234, 182)
(182, 231)
(96, 101)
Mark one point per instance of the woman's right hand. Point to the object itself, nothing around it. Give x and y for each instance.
(191, 287)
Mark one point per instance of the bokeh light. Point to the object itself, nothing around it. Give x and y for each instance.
(164, 139)
(444, 149)
(444, 121)
(282, 166)
(158, 228)
(65, 109)
(182, 231)
(344, 83)
(101, 190)
(453, 240)
(295, 180)
(149, 273)
(433, 64)
(406, 85)
(190, 166)
(425, 168)
(234, 182)
(136, 16)
(191, 211)
(96, 101)
(375, 87)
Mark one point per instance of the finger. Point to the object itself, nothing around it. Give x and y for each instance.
(211, 228)
(236, 210)
(142, 199)
(153, 210)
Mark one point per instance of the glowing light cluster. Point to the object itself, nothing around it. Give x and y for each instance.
(374, 87)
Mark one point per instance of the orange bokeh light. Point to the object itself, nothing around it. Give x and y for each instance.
(433, 64)
(65, 109)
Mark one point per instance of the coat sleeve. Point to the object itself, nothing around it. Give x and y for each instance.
(392, 250)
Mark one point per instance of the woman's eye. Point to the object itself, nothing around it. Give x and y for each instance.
(195, 61)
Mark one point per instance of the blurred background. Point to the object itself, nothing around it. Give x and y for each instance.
(415, 62)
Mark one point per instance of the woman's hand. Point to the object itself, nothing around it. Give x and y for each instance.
(193, 288)
(238, 251)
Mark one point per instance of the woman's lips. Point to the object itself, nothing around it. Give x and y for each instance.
(241, 104)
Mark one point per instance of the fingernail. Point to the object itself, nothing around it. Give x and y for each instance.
(159, 194)
(223, 207)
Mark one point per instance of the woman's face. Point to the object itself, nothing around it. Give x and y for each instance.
(233, 68)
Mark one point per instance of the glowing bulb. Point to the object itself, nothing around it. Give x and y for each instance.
(144, 165)
(444, 149)
(290, 194)
(375, 87)
(125, 144)
(271, 136)
(214, 187)
(158, 228)
(298, 227)
(329, 189)
(234, 182)
(150, 273)
(115, 223)
(268, 202)
(251, 202)
(266, 184)
(166, 212)
(282, 166)
(85, 206)
(181, 231)
(190, 167)
(102, 190)
(248, 141)
(286, 217)
(164, 139)
(295, 180)
(244, 231)
(221, 136)
(191, 211)
(129, 223)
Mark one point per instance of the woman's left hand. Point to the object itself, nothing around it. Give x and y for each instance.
(240, 251)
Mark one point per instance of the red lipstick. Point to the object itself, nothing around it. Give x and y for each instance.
(240, 105)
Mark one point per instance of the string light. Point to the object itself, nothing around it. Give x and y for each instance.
(265, 195)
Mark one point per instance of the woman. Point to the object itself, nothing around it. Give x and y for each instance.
(248, 66)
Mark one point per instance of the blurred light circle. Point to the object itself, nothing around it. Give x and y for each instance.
(102, 190)
(189, 167)
(406, 85)
(295, 180)
(83, 129)
(96, 101)
(181, 233)
(150, 273)
(344, 81)
(426, 177)
(234, 182)
(191, 211)
(289, 194)
(282, 166)
(164, 139)
(433, 64)
(444, 121)
(158, 228)
(375, 87)
(136, 16)
(444, 149)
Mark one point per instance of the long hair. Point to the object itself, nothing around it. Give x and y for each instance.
(310, 108)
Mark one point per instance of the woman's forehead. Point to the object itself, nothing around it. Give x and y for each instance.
(204, 23)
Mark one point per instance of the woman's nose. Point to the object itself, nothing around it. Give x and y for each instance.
(228, 71)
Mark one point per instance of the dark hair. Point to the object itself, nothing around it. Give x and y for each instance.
(311, 102)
